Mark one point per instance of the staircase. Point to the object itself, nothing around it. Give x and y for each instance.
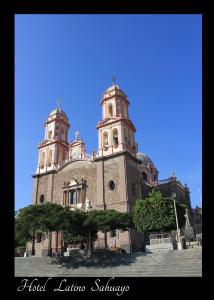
(177, 263)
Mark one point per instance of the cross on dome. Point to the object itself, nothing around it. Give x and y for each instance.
(114, 79)
(59, 102)
(76, 135)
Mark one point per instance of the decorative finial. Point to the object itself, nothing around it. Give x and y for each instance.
(76, 135)
(59, 102)
(92, 154)
(114, 79)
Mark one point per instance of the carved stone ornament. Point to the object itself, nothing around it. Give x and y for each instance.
(73, 182)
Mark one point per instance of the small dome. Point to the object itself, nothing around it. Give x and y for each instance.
(112, 87)
(116, 88)
(145, 159)
(58, 111)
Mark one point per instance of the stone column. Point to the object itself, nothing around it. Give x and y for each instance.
(100, 185)
(50, 188)
(35, 189)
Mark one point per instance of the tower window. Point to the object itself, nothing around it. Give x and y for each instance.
(144, 176)
(63, 134)
(42, 199)
(60, 155)
(110, 110)
(42, 161)
(49, 157)
(115, 136)
(49, 134)
(105, 139)
(111, 185)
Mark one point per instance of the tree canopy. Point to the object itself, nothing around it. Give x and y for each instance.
(74, 224)
(156, 213)
(78, 223)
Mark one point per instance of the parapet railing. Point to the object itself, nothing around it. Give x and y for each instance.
(164, 181)
(86, 157)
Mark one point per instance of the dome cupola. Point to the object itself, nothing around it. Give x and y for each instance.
(147, 168)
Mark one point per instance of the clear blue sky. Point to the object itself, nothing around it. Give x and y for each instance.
(157, 61)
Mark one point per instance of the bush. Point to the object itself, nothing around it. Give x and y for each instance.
(116, 249)
(19, 251)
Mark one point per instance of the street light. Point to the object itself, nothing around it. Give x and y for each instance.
(176, 217)
(88, 208)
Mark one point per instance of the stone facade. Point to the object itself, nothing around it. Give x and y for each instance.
(112, 178)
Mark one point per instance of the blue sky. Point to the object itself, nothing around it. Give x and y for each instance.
(158, 63)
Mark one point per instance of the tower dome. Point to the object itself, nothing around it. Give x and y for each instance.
(112, 87)
(115, 89)
(58, 111)
(145, 159)
(147, 168)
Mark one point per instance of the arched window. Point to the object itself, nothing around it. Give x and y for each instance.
(144, 176)
(42, 199)
(105, 139)
(50, 134)
(110, 110)
(50, 157)
(63, 134)
(113, 233)
(130, 138)
(111, 185)
(122, 109)
(42, 161)
(38, 237)
(115, 136)
(60, 155)
(126, 134)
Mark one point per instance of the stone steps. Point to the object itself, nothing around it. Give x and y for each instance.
(160, 264)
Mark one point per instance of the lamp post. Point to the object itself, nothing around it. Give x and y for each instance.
(88, 208)
(176, 218)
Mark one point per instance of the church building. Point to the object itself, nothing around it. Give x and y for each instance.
(113, 177)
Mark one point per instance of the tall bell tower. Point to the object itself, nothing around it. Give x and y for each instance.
(54, 148)
(116, 131)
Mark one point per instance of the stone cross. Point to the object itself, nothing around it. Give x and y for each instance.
(114, 79)
(77, 135)
(59, 102)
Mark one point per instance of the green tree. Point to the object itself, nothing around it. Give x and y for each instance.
(26, 226)
(156, 213)
(74, 224)
(73, 227)
(189, 233)
(22, 235)
(78, 224)
(106, 220)
(36, 219)
(49, 217)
